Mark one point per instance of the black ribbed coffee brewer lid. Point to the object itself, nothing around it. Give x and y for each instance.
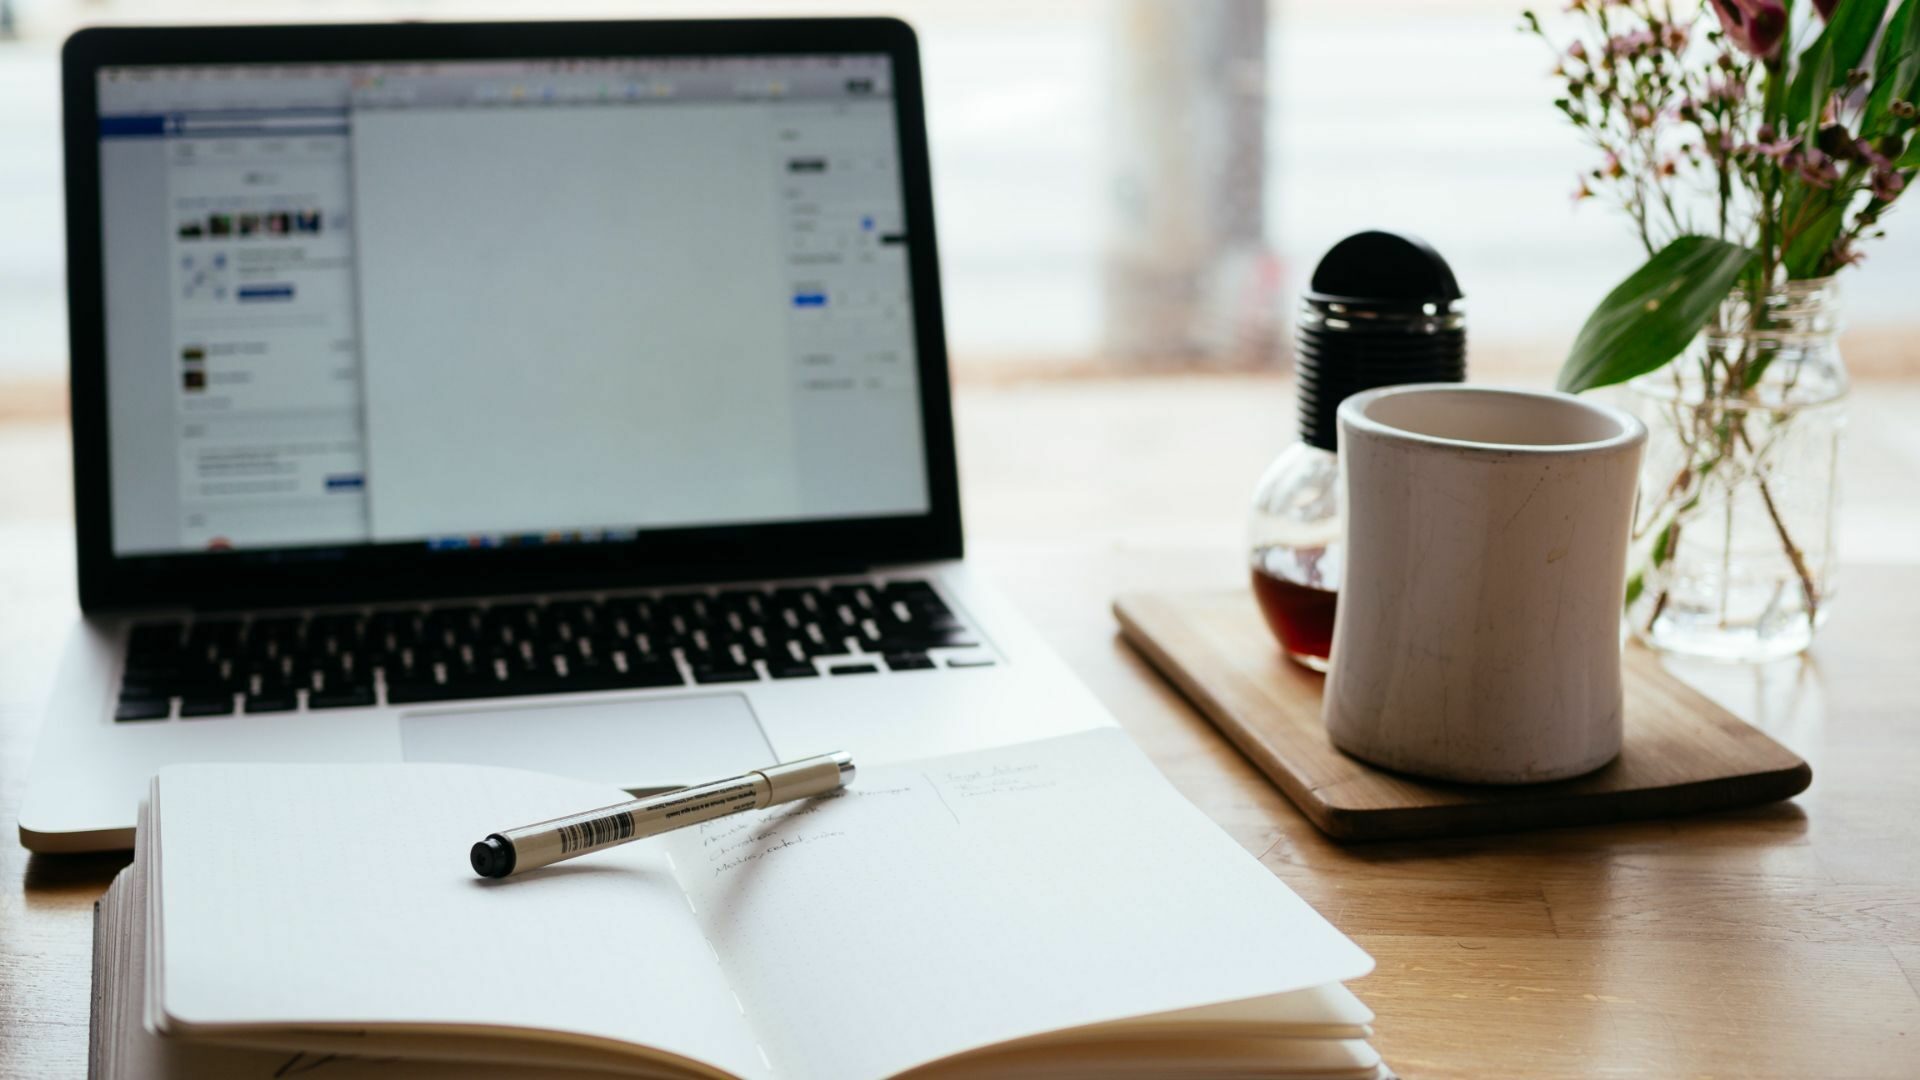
(1384, 309)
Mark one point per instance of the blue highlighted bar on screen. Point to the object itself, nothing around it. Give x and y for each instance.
(121, 127)
(810, 299)
(250, 293)
(216, 123)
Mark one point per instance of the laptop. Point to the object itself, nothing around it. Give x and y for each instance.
(570, 396)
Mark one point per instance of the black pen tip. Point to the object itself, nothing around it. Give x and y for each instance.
(492, 857)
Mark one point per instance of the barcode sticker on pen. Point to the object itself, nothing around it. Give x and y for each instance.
(587, 834)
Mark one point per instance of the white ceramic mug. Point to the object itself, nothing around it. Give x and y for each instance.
(1478, 629)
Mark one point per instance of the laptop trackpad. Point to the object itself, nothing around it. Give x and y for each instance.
(635, 744)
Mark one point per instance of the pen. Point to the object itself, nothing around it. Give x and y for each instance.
(547, 842)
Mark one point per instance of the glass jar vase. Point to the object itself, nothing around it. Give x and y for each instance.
(1733, 555)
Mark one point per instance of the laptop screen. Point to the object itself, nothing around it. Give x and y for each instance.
(503, 303)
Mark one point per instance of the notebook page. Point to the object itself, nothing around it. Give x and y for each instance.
(128, 1049)
(341, 894)
(964, 901)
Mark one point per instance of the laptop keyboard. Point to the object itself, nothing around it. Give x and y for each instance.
(217, 666)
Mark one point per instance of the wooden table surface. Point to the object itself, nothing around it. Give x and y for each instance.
(1782, 941)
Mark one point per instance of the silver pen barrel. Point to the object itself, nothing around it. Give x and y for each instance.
(544, 843)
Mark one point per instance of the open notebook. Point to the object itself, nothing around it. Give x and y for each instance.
(1048, 909)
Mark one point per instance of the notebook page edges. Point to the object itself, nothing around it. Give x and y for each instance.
(966, 901)
(147, 910)
(1211, 1059)
(1321, 1012)
(339, 897)
(106, 958)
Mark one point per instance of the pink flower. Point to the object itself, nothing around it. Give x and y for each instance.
(1755, 26)
(1577, 50)
(1777, 151)
(1726, 90)
(1887, 185)
(1869, 153)
(1818, 169)
(1676, 38)
(1630, 45)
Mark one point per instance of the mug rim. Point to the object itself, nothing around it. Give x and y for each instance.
(1353, 417)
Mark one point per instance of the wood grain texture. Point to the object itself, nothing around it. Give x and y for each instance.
(1774, 941)
(1683, 753)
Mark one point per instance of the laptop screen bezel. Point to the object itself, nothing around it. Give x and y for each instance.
(377, 571)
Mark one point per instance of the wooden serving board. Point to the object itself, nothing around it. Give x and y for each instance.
(1683, 753)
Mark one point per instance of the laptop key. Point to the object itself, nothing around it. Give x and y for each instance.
(918, 596)
(414, 691)
(341, 697)
(908, 661)
(182, 688)
(807, 602)
(206, 705)
(792, 670)
(132, 688)
(724, 673)
(141, 709)
(581, 615)
(646, 674)
(272, 701)
(854, 669)
(518, 683)
(912, 641)
(169, 666)
(859, 598)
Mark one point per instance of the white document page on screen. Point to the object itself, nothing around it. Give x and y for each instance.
(572, 318)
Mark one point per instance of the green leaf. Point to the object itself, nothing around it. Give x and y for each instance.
(1809, 247)
(1839, 49)
(1663, 545)
(1807, 120)
(1896, 67)
(1910, 159)
(1648, 318)
(1636, 585)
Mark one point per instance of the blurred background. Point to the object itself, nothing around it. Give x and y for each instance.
(1121, 185)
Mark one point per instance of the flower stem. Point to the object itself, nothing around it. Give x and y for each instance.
(1794, 554)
